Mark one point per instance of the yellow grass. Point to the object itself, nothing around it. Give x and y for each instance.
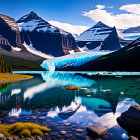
(25, 129)
(10, 78)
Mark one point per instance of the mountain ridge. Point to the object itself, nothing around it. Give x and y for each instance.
(125, 59)
(37, 32)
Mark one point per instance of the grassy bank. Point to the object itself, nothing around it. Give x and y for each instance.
(24, 129)
(10, 78)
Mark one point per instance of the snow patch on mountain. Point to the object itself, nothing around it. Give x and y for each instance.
(99, 32)
(36, 52)
(16, 49)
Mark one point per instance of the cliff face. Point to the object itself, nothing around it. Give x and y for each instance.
(9, 30)
(11, 47)
(50, 43)
(44, 37)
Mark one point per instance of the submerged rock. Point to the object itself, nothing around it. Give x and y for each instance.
(96, 130)
(42, 117)
(63, 132)
(80, 130)
(130, 120)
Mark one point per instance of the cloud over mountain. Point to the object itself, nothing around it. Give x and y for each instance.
(74, 29)
(130, 17)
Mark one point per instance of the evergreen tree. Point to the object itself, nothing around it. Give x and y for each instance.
(4, 68)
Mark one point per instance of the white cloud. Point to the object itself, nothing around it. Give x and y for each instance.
(100, 6)
(125, 20)
(74, 29)
(132, 8)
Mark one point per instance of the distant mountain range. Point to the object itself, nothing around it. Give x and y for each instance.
(130, 33)
(132, 30)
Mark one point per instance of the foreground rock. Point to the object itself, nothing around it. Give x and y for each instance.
(130, 120)
(1, 136)
(63, 132)
(96, 130)
(132, 138)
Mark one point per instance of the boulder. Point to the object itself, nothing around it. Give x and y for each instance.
(63, 132)
(96, 130)
(130, 120)
(79, 130)
(1, 136)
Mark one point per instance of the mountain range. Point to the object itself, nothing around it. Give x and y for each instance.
(28, 42)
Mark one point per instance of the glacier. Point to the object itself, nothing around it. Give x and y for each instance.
(75, 60)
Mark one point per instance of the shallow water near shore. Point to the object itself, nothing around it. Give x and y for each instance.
(45, 100)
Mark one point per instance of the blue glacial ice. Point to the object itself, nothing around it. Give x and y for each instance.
(75, 59)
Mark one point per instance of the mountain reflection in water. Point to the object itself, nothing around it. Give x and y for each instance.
(98, 102)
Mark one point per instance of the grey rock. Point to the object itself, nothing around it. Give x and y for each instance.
(9, 138)
(130, 120)
(38, 138)
(90, 138)
(1, 136)
(132, 138)
(67, 124)
(63, 132)
(80, 130)
(96, 130)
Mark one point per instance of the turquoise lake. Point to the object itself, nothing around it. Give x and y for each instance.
(102, 98)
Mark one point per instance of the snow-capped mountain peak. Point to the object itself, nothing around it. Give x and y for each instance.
(98, 32)
(32, 22)
(101, 25)
(31, 16)
(44, 37)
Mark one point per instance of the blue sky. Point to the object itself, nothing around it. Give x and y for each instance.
(69, 11)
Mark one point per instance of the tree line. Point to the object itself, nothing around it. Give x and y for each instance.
(4, 68)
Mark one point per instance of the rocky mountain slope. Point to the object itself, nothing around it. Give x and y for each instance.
(11, 47)
(38, 34)
(125, 59)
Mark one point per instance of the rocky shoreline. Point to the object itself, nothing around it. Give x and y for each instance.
(128, 120)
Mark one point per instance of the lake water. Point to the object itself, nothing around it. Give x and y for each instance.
(45, 100)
